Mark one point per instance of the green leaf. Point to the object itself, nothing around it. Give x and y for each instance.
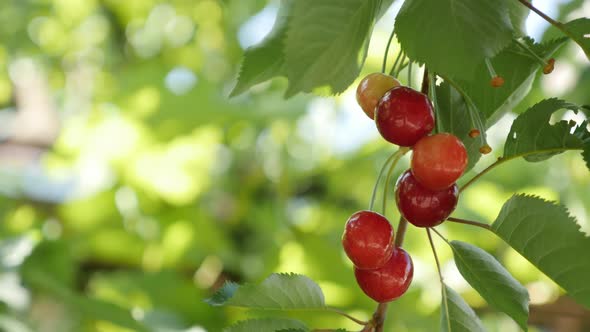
(579, 31)
(385, 4)
(542, 140)
(452, 37)
(460, 316)
(453, 116)
(518, 15)
(491, 280)
(545, 234)
(267, 325)
(265, 60)
(325, 43)
(278, 291)
(518, 69)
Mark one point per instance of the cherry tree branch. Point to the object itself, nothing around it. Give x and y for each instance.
(358, 321)
(553, 22)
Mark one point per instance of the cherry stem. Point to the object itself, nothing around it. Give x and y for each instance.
(469, 222)
(384, 67)
(397, 58)
(490, 68)
(470, 105)
(402, 225)
(358, 321)
(525, 47)
(440, 235)
(442, 284)
(432, 94)
(389, 159)
(401, 152)
(435, 254)
(401, 67)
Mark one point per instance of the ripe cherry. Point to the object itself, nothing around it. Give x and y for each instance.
(404, 115)
(371, 89)
(368, 239)
(421, 206)
(390, 281)
(439, 160)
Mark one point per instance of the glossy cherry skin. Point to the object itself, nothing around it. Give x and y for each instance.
(421, 206)
(439, 160)
(403, 116)
(390, 281)
(371, 89)
(368, 239)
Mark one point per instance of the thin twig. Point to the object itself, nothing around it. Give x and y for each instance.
(480, 174)
(553, 22)
(379, 317)
(356, 320)
(469, 222)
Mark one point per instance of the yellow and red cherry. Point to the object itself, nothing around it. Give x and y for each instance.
(438, 160)
(371, 89)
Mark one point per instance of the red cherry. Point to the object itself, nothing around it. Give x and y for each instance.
(390, 281)
(371, 89)
(421, 206)
(439, 160)
(404, 115)
(368, 239)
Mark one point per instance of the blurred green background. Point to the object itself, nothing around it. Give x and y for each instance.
(131, 187)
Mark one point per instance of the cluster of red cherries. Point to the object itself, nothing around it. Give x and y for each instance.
(426, 194)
